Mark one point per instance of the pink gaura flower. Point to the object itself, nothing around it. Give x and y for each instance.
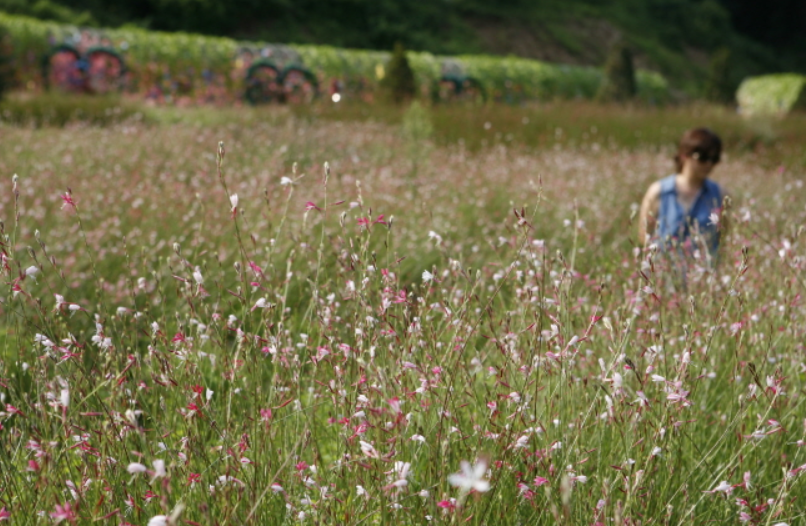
(745, 484)
(67, 201)
(63, 513)
(148, 495)
(395, 404)
(792, 472)
(255, 268)
(10, 409)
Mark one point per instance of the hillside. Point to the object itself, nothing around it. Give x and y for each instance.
(675, 37)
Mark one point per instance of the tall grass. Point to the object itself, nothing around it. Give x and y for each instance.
(588, 125)
(210, 333)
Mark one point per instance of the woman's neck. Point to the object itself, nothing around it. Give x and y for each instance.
(688, 180)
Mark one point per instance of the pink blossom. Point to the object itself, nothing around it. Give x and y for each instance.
(68, 201)
(792, 472)
(395, 404)
(745, 481)
(63, 512)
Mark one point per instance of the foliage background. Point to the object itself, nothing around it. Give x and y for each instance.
(673, 36)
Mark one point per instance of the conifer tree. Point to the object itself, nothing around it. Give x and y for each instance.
(718, 86)
(399, 82)
(618, 84)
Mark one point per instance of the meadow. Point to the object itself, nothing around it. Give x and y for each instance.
(366, 315)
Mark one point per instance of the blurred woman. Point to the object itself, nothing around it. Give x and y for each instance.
(684, 210)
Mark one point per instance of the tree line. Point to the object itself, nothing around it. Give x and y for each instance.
(774, 30)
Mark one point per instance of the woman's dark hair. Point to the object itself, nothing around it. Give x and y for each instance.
(700, 141)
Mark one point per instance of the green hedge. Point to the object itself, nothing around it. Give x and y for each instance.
(151, 57)
(772, 94)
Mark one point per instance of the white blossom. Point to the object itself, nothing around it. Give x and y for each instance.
(471, 477)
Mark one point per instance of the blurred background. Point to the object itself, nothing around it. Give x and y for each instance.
(677, 38)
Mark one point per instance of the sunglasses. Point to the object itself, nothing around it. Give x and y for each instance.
(705, 158)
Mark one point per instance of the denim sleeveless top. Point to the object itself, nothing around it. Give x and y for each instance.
(674, 224)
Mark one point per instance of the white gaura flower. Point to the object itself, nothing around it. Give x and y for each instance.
(427, 276)
(136, 467)
(471, 477)
(159, 469)
(233, 199)
(158, 520)
(368, 449)
(261, 303)
(723, 486)
(197, 276)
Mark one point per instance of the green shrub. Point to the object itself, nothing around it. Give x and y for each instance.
(399, 83)
(618, 83)
(58, 110)
(772, 94)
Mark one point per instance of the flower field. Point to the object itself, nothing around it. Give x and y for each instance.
(258, 316)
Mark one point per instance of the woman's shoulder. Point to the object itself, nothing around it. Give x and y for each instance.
(664, 186)
(653, 192)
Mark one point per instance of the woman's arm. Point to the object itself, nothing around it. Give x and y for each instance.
(647, 218)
